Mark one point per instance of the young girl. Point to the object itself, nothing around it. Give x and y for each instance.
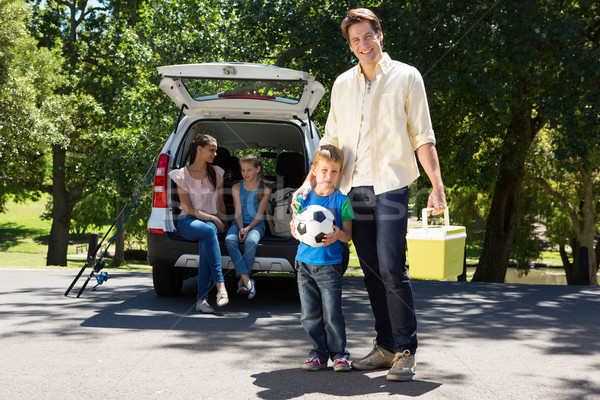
(250, 198)
(200, 189)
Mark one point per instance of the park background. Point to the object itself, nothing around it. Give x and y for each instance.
(513, 88)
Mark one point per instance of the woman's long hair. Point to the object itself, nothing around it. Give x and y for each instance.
(202, 141)
(256, 162)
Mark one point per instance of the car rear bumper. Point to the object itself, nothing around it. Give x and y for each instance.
(171, 250)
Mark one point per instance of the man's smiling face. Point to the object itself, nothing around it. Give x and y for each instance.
(365, 43)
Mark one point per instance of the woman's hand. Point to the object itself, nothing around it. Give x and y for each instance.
(220, 225)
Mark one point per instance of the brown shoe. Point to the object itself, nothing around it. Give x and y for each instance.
(377, 358)
(403, 367)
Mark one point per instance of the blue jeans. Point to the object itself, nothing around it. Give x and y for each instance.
(209, 265)
(379, 236)
(243, 264)
(320, 288)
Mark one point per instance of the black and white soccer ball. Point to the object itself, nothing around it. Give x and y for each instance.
(313, 223)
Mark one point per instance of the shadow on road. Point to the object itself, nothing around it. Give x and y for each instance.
(326, 382)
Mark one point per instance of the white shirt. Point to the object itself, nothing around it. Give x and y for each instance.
(399, 123)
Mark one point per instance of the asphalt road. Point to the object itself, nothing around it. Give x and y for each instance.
(477, 341)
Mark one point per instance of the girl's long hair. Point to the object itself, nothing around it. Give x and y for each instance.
(202, 141)
(256, 162)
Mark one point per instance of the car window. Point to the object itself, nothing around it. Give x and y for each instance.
(214, 89)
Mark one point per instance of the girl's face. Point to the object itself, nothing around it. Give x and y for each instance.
(249, 171)
(208, 152)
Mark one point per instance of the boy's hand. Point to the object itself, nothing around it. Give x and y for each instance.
(332, 237)
(293, 229)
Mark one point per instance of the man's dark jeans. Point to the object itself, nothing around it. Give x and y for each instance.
(379, 236)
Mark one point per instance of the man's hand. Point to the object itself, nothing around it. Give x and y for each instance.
(302, 190)
(437, 201)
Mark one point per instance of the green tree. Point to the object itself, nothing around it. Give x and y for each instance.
(572, 179)
(494, 72)
(27, 77)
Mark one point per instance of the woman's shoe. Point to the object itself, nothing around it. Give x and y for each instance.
(204, 307)
(222, 299)
(252, 291)
(242, 290)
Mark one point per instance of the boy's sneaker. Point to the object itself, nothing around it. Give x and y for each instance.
(341, 365)
(314, 364)
(377, 358)
(403, 367)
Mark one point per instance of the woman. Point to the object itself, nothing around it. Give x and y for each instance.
(200, 189)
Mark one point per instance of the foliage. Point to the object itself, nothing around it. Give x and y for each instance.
(28, 76)
(91, 89)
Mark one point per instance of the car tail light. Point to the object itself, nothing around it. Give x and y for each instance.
(160, 182)
(155, 231)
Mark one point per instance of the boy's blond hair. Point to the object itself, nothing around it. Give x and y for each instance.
(328, 152)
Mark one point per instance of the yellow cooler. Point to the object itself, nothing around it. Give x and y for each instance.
(436, 252)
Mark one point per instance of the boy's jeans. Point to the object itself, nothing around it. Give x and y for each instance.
(320, 288)
(379, 236)
(243, 264)
(205, 233)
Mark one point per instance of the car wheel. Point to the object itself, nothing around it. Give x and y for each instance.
(167, 280)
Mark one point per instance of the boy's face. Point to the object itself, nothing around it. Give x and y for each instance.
(327, 173)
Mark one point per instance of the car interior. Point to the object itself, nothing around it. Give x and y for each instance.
(280, 146)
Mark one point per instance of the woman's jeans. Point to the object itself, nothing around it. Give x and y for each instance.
(205, 233)
(379, 236)
(243, 264)
(320, 288)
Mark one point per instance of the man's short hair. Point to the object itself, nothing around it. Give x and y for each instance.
(357, 15)
(328, 152)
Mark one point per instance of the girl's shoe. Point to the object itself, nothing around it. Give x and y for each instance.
(252, 291)
(242, 290)
(222, 299)
(204, 307)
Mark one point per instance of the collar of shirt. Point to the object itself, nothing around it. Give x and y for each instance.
(383, 65)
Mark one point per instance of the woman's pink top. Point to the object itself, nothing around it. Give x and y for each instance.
(202, 193)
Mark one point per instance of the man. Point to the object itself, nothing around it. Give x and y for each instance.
(379, 118)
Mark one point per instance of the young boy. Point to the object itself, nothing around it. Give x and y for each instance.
(319, 268)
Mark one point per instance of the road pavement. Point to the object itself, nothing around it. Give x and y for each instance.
(477, 341)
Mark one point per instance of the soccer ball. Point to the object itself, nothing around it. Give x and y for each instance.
(313, 223)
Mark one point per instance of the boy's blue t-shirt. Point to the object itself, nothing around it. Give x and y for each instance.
(340, 207)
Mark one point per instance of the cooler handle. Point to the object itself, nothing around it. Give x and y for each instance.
(424, 216)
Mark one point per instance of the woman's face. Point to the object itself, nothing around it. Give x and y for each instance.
(208, 152)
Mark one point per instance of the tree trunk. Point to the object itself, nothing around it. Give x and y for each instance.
(502, 219)
(500, 228)
(61, 211)
(571, 268)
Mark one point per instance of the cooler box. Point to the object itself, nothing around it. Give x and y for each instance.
(436, 252)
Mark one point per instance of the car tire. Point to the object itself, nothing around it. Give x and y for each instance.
(167, 280)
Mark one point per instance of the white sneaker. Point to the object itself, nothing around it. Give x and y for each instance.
(222, 299)
(204, 307)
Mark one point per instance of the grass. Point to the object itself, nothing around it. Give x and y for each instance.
(24, 237)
